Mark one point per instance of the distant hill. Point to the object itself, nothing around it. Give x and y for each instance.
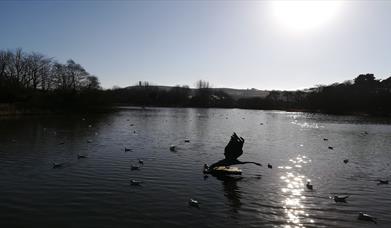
(234, 93)
(245, 93)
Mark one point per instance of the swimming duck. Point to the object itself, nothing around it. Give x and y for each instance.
(82, 156)
(187, 140)
(134, 167)
(140, 161)
(382, 182)
(309, 186)
(57, 165)
(89, 141)
(366, 217)
(136, 182)
(346, 161)
(127, 149)
(340, 198)
(325, 139)
(269, 166)
(331, 148)
(194, 203)
(172, 148)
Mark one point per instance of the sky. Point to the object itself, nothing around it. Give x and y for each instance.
(236, 44)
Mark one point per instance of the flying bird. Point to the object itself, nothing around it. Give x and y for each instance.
(232, 152)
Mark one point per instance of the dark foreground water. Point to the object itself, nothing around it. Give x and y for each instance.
(96, 191)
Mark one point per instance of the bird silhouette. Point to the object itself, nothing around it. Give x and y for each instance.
(232, 152)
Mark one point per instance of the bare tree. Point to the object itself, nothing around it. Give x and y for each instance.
(200, 84)
(92, 82)
(37, 68)
(5, 64)
(77, 74)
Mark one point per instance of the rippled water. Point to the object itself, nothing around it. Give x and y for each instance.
(96, 191)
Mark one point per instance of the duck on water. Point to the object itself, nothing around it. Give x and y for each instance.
(232, 152)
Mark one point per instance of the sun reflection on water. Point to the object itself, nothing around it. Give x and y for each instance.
(293, 192)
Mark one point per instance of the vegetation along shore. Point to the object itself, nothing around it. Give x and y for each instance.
(34, 83)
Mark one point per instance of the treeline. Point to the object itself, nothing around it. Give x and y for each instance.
(145, 94)
(363, 95)
(33, 80)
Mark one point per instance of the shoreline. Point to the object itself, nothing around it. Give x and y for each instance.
(13, 110)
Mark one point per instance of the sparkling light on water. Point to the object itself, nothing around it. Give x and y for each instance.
(293, 193)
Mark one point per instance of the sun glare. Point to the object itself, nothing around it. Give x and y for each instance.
(305, 15)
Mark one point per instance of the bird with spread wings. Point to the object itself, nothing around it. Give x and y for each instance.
(232, 152)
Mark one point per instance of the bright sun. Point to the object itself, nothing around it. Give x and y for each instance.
(305, 15)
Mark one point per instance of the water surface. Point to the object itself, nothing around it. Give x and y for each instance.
(96, 191)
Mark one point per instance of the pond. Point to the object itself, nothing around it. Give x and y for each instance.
(96, 191)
